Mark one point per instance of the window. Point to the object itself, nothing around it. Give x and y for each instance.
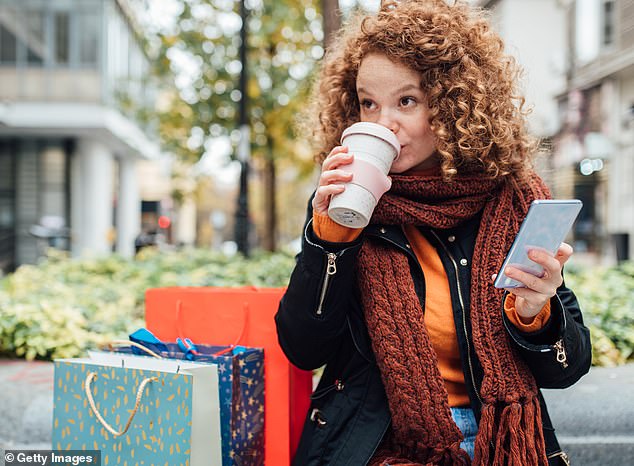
(88, 27)
(32, 22)
(62, 37)
(53, 181)
(8, 46)
(7, 207)
(609, 22)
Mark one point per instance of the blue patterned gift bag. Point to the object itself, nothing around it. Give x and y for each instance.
(241, 385)
(138, 412)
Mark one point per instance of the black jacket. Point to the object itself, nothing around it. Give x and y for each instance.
(320, 323)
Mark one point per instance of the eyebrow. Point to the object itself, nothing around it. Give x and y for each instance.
(400, 90)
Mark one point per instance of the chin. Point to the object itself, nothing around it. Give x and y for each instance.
(396, 170)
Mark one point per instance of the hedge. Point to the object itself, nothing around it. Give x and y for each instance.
(61, 307)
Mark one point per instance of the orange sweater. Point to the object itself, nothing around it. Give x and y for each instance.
(438, 311)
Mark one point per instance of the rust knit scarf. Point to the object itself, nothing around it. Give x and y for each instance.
(423, 431)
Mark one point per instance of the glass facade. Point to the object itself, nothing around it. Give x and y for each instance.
(88, 29)
(40, 35)
(8, 40)
(34, 189)
(62, 37)
(31, 42)
(72, 50)
(7, 207)
(79, 52)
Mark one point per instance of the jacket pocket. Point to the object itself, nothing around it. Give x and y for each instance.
(330, 410)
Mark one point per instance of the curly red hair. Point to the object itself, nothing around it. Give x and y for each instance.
(476, 113)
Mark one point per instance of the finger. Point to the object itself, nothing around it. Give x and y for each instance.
(563, 253)
(334, 176)
(545, 259)
(552, 267)
(337, 150)
(323, 194)
(494, 276)
(532, 282)
(337, 160)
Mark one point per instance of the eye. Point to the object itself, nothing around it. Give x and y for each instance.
(407, 101)
(367, 104)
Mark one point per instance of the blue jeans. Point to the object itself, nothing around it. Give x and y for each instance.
(466, 422)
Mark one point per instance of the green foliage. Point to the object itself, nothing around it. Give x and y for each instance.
(198, 60)
(606, 296)
(61, 307)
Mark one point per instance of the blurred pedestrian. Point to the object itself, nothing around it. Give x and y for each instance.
(426, 362)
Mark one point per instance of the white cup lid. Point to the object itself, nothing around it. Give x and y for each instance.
(376, 130)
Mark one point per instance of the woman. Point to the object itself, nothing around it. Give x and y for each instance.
(426, 362)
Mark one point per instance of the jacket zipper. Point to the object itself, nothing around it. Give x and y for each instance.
(464, 317)
(561, 353)
(331, 269)
(558, 347)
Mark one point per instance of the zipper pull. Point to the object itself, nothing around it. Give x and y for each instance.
(561, 353)
(331, 269)
(332, 266)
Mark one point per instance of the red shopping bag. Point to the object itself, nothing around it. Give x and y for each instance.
(230, 316)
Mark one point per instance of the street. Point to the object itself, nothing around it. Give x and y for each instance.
(594, 419)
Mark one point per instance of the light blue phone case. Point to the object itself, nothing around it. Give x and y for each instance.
(546, 225)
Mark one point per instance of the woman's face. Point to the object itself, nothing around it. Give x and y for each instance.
(390, 95)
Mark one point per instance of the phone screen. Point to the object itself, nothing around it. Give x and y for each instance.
(546, 225)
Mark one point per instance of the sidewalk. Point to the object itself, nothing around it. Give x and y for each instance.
(26, 409)
(594, 418)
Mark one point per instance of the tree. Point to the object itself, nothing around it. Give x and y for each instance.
(198, 54)
(332, 19)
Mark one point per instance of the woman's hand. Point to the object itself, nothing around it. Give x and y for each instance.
(332, 178)
(530, 300)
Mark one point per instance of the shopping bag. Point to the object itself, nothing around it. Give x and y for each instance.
(245, 316)
(241, 386)
(139, 411)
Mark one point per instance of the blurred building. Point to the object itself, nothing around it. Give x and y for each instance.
(595, 146)
(579, 58)
(72, 85)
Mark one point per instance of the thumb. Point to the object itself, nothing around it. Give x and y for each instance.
(563, 253)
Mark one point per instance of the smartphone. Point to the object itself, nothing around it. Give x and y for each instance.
(546, 225)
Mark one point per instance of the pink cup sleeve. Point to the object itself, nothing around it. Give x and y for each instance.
(368, 176)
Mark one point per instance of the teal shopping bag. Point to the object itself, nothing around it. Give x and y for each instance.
(140, 411)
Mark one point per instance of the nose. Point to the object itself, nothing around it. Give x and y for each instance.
(386, 118)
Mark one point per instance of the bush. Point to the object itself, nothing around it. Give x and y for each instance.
(60, 307)
(606, 296)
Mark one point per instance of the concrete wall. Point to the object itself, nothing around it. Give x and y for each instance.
(534, 33)
(49, 85)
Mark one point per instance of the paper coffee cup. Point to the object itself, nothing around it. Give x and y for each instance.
(374, 148)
